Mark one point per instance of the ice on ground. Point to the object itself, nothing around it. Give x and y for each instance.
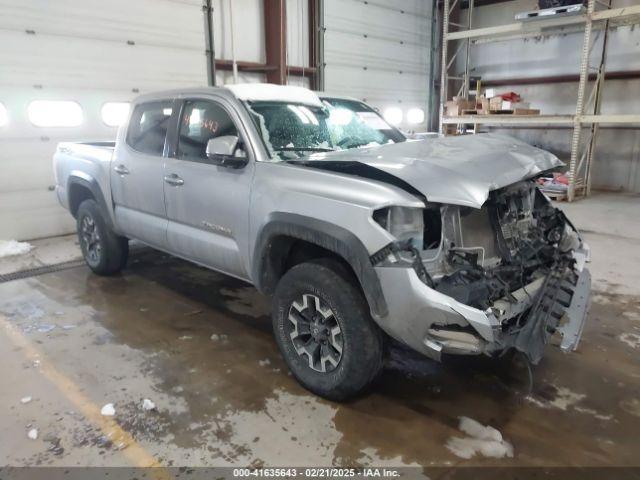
(148, 404)
(591, 411)
(566, 398)
(45, 328)
(108, 410)
(33, 434)
(631, 339)
(26, 399)
(265, 362)
(483, 440)
(475, 429)
(631, 315)
(10, 248)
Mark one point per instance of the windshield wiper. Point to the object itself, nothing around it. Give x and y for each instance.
(304, 149)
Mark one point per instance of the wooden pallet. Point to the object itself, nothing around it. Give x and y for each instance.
(557, 196)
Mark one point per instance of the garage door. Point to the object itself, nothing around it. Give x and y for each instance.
(379, 52)
(80, 62)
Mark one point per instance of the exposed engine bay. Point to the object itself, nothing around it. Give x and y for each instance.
(514, 257)
(516, 237)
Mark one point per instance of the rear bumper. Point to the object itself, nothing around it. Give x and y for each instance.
(433, 323)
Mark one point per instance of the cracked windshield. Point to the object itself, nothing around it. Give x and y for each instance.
(292, 131)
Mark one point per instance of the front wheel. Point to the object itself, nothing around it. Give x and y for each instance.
(324, 331)
(104, 252)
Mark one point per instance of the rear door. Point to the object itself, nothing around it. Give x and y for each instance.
(137, 174)
(208, 205)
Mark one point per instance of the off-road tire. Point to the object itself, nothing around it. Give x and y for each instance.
(113, 251)
(361, 339)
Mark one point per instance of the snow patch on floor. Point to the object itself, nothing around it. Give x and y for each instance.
(9, 248)
(482, 440)
(631, 339)
(593, 413)
(108, 410)
(631, 315)
(566, 398)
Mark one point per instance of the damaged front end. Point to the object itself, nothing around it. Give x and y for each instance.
(508, 275)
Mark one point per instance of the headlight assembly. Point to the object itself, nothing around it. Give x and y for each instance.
(404, 223)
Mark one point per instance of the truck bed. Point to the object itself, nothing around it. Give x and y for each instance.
(91, 158)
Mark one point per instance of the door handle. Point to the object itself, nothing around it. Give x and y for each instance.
(121, 170)
(174, 180)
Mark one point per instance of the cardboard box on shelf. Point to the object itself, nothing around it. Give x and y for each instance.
(490, 92)
(455, 107)
(507, 105)
(495, 103)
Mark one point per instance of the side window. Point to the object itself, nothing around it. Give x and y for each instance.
(201, 121)
(148, 127)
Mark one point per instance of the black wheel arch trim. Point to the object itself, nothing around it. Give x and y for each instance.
(93, 186)
(323, 234)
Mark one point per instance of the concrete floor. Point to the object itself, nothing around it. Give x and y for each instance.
(199, 345)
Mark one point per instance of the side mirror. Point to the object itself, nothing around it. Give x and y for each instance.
(222, 151)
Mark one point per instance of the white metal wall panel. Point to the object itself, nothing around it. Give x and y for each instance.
(379, 51)
(248, 29)
(92, 52)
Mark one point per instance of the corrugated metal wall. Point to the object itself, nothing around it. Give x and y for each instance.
(90, 52)
(379, 51)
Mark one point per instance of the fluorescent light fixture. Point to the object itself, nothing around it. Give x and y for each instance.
(393, 115)
(340, 116)
(55, 113)
(4, 116)
(115, 114)
(415, 115)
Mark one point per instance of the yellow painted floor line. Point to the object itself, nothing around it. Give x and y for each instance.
(132, 450)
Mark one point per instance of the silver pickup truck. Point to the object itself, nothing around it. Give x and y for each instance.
(359, 234)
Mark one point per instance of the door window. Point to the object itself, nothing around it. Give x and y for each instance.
(200, 122)
(148, 127)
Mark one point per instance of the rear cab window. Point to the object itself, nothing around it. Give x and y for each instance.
(147, 131)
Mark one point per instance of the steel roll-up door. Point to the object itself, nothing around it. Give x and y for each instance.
(86, 54)
(379, 51)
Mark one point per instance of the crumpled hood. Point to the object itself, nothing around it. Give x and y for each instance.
(459, 170)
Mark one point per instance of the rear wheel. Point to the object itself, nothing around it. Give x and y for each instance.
(325, 333)
(104, 252)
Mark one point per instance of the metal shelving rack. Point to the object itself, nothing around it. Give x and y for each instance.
(587, 112)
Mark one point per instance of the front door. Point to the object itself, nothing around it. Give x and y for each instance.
(137, 174)
(208, 205)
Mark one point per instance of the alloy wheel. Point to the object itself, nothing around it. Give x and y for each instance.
(91, 240)
(315, 333)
